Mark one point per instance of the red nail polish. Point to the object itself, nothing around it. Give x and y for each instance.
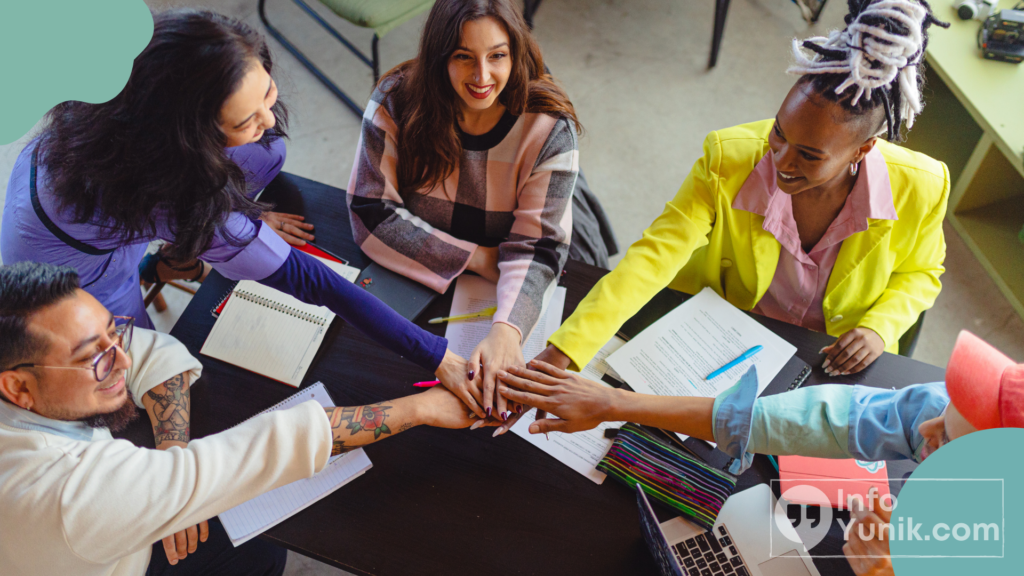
(504, 416)
(519, 409)
(488, 411)
(472, 373)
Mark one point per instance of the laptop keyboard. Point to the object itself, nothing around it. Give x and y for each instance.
(711, 554)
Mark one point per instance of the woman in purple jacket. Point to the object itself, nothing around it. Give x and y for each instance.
(178, 156)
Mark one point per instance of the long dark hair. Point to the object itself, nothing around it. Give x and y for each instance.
(156, 151)
(427, 106)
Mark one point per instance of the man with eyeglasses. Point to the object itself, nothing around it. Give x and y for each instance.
(73, 500)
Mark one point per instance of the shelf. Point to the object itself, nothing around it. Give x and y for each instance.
(991, 232)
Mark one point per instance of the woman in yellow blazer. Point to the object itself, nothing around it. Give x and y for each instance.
(883, 276)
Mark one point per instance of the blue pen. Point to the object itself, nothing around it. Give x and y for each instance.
(735, 362)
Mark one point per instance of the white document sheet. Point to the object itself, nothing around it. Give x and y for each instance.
(252, 518)
(581, 451)
(473, 294)
(673, 356)
(347, 272)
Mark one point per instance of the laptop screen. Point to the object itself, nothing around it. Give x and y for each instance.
(655, 538)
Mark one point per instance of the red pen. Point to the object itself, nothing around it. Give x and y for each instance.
(428, 384)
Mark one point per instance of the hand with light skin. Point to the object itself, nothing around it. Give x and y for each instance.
(290, 227)
(867, 543)
(355, 426)
(853, 352)
(484, 262)
(552, 356)
(500, 350)
(454, 375)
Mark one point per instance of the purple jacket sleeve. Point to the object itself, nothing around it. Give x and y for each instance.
(305, 278)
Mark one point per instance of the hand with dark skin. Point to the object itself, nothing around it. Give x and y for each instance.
(853, 352)
(582, 404)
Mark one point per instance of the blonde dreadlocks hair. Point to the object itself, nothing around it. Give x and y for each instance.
(876, 61)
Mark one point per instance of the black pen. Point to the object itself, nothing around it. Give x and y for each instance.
(328, 252)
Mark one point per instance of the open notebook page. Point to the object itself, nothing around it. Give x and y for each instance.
(252, 518)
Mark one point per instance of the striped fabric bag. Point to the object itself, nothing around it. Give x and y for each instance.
(668, 474)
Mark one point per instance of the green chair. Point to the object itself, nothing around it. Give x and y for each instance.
(380, 15)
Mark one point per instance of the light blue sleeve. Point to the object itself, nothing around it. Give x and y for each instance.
(826, 421)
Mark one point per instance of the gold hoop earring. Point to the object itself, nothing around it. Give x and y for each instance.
(854, 166)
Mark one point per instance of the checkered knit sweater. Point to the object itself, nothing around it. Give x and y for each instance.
(512, 189)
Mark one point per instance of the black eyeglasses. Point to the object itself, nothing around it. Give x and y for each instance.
(102, 363)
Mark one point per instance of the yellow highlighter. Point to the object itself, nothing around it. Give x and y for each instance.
(485, 312)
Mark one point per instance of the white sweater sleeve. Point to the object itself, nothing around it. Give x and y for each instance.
(118, 498)
(156, 358)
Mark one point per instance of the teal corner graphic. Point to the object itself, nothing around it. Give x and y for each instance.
(962, 511)
(57, 50)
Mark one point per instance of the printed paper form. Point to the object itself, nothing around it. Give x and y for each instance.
(673, 356)
(473, 294)
(263, 512)
(581, 451)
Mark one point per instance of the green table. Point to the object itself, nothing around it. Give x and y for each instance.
(974, 121)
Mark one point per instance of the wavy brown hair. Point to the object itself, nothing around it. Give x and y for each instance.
(427, 107)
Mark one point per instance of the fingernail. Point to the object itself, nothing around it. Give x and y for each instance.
(488, 410)
(504, 416)
(496, 433)
(502, 374)
(846, 373)
(472, 373)
(519, 409)
(826, 363)
(534, 429)
(546, 437)
(513, 368)
(822, 351)
(476, 424)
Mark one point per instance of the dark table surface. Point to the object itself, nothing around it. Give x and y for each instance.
(458, 501)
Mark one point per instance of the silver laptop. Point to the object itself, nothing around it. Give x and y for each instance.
(741, 542)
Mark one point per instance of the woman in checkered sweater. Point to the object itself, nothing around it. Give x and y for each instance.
(467, 161)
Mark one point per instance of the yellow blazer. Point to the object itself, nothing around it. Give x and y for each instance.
(883, 278)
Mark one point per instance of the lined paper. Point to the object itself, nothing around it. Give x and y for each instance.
(252, 518)
(278, 341)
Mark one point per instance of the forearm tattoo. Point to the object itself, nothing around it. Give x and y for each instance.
(169, 410)
(356, 419)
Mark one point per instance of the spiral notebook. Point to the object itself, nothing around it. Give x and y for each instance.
(252, 518)
(266, 331)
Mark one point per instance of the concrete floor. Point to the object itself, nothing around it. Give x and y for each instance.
(635, 70)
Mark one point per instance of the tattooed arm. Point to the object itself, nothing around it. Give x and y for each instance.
(168, 407)
(355, 426)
